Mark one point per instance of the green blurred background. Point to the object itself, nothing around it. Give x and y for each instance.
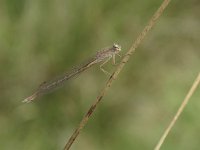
(40, 39)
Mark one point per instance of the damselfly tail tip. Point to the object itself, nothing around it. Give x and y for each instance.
(30, 98)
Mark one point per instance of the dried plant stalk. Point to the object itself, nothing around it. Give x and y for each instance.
(178, 113)
(117, 71)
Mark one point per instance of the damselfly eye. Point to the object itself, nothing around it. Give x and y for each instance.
(117, 47)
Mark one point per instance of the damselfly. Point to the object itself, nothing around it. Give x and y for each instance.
(101, 56)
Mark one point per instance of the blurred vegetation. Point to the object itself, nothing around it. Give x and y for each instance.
(40, 39)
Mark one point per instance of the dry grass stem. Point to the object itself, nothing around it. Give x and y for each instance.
(180, 110)
(117, 71)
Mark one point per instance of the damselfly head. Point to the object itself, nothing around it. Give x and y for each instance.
(117, 47)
